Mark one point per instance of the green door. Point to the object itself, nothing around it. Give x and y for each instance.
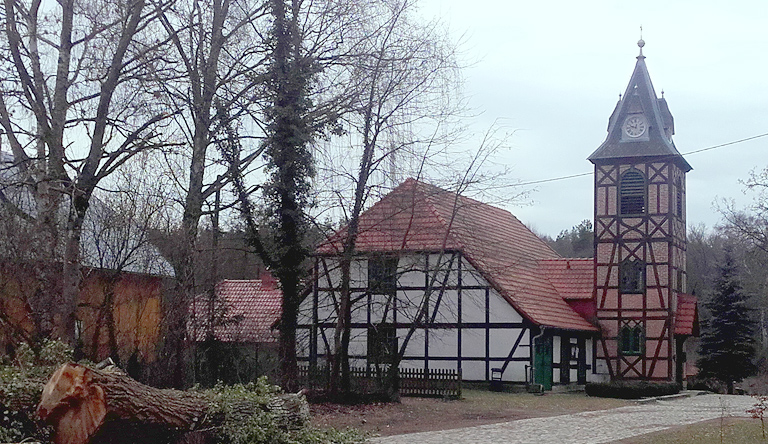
(542, 362)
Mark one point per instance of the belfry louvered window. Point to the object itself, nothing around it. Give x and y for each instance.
(632, 192)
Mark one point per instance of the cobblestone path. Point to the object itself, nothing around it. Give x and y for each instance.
(588, 427)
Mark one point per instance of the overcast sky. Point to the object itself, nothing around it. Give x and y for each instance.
(553, 70)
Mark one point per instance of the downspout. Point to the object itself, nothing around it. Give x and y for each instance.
(533, 353)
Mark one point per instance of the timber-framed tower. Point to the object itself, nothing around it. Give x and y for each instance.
(640, 235)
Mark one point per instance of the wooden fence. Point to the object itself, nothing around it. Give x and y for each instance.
(444, 383)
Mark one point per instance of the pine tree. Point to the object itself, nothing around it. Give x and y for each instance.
(727, 346)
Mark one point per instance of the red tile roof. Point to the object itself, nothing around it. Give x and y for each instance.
(419, 217)
(573, 278)
(245, 311)
(687, 315)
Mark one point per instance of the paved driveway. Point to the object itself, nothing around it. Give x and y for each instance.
(588, 427)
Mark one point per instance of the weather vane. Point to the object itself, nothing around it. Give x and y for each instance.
(641, 42)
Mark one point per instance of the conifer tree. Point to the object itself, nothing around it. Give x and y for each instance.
(727, 346)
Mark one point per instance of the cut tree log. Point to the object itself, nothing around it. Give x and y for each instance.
(86, 405)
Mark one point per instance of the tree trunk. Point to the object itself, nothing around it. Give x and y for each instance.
(86, 405)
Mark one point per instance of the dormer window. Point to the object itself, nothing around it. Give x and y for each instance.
(632, 193)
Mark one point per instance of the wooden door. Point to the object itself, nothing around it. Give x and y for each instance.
(542, 362)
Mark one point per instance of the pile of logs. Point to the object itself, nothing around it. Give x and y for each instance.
(87, 405)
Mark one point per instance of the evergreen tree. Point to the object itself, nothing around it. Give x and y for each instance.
(727, 346)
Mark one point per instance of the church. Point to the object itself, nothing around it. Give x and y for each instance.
(442, 281)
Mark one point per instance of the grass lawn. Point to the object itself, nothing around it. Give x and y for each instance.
(476, 408)
(732, 430)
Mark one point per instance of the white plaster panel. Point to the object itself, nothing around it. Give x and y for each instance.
(415, 346)
(359, 310)
(411, 270)
(473, 342)
(473, 371)
(501, 310)
(302, 342)
(326, 311)
(411, 363)
(448, 309)
(358, 344)
(515, 372)
(439, 265)
(556, 349)
(333, 276)
(524, 349)
(501, 341)
(381, 308)
(469, 276)
(358, 273)
(473, 306)
(305, 311)
(408, 303)
(443, 342)
(321, 344)
(443, 365)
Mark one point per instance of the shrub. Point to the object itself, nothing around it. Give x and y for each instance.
(21, 385)
(632, 389)
(263, 427)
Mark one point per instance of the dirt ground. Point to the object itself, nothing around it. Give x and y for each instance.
(476, 408)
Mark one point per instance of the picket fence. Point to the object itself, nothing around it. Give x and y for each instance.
(445, 383)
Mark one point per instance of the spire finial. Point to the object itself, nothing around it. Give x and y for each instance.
(641, 42)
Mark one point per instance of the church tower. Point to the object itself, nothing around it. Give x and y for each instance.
(640, 238)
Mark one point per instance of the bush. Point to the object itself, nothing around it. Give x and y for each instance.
(21, 385)
(264, 427)
(632, 389)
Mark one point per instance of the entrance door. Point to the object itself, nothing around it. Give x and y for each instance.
(542, 362)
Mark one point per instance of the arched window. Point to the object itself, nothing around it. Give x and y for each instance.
(632, 193)
(631, 338)
(632, 276)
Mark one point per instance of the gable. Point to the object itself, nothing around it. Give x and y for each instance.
(421, 217)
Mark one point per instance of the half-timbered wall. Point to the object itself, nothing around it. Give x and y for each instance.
(468, 325)
(655, 238)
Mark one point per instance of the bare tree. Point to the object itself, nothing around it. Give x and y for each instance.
(73, 108)
(402, 82)
(216, 60)
(125, 211)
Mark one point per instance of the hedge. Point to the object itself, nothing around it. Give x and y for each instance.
(632, 389)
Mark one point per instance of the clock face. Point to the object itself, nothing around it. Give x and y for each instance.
(635, 126)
